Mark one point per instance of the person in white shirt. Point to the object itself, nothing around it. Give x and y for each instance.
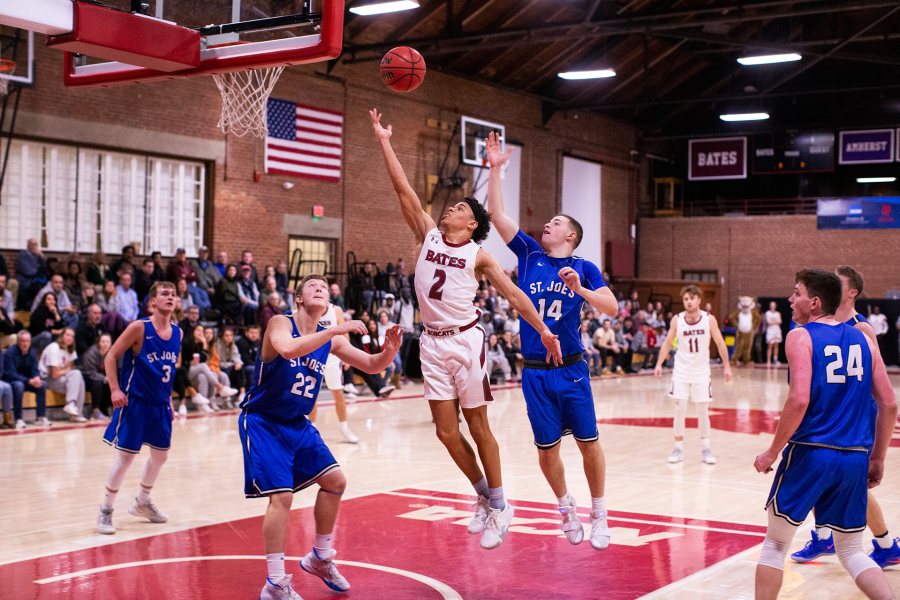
(57, 366)
(879, 323)
(773, 333)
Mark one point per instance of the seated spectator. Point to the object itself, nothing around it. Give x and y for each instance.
(57, 366)
(269, 290)
(195, 349)
(46, 322)
(513, 351)
(95, 377)
(268, 311)
(6, 399)
(512, 322)
(221, 262)
(487, 323)
(207, 273)
(230, 361)
(97, 269)
(247, 260)
(9, 325)
(591, 354)
(108, 300)
(605, 342)
(369, 343)
(249, 294)
(624, 346)
(31, 273)
(645, 342)
(21, 371)
(144, 279)
(181, 289)
(281, 278)
(74, 283)
(126, 262)
(385, 323)
(336, 297)
(248, 346)
(388, 304)
(228, 296)
(67, 310)
(496, 359)
(190, 321)
(129, 307)
(212, 344)
(89, 330)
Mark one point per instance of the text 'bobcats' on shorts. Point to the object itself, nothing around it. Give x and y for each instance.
(453, 367)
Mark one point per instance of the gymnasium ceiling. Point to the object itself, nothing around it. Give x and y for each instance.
(675, 60)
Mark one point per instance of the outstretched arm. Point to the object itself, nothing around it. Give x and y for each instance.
(667, 347)
(504, 225)
(370, 363)
(720, 344)
(417, 219)
(279, 339)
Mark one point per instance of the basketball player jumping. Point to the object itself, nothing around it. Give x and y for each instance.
(691, 376)
(558, 397)
(886, 550)
(283, 451)
(143, 410)
(452, 346)
(834, 436)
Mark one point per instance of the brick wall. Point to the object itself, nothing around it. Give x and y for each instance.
(758, 256)
(248, 214)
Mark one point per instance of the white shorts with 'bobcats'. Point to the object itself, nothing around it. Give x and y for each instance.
(695, 391)
(334, 379)
(453, 367)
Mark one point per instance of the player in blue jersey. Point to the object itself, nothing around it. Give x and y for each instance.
(836, 436)
(886, 550)
(558, 397)
(283, 451)
(142, 396)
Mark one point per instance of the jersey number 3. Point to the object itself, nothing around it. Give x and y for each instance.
(854, 363)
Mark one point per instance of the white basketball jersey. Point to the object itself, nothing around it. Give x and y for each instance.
(445, 282)
(692, 358)
(329, 319)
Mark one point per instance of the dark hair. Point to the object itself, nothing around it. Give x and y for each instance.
(127, 248)
(577, 228)
(482, 216)
(148, 261)
(824, 285)
(692, 290)
(44, 299)
(854, 278)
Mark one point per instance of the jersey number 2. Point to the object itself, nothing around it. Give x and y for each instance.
(305, 386)
(854, 363)
(437, 290)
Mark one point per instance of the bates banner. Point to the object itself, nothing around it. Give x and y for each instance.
(717, 158)
(871, 146)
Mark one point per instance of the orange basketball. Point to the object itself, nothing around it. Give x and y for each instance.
(402, 69)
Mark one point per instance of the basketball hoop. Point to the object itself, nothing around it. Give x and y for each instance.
(6, 67)
(244, 98)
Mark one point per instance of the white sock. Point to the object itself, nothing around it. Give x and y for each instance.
(322, 545)
(705, 442)
(884, 541)
(823, 532)
(109, 498)
(496, 497)
(481, 488)
(144, 494)
(598, 505)
(345, 426)
(565, 499)
(275, 563)
(679, 445)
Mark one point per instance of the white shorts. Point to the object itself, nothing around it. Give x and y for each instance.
(695, 391)
(334, 379)
(453, 367)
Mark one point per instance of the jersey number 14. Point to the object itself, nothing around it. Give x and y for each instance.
(554, 311)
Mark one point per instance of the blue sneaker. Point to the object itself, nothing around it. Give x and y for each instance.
(885, 557)
(814, 548)
(324, 569)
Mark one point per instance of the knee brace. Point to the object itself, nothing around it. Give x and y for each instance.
(778, 540)
(849, 550)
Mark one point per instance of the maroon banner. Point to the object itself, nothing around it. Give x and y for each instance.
(717, 158)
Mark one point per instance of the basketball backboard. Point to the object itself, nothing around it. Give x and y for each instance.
(473, 136)
(16, 56)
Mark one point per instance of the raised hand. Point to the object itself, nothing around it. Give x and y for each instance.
(571, 278)
(380, 132)
(351, 327)
(495, 157)
(392, 339)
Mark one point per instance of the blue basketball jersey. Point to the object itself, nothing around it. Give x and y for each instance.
(841, 412)
(149, 376)
(559, 307)
(285, 390)
(856, 318)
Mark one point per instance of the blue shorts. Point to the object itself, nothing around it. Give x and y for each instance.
(560, 402)
(833, 482)
(281, 457)
(138, 423)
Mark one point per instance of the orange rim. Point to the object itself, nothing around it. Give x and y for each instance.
(7, 66)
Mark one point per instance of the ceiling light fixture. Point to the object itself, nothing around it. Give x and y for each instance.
(595, 74)
(760, 116)
(768, 59)
(384, 7)
(876, 179)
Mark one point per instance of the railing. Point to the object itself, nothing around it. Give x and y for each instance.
(752, 206)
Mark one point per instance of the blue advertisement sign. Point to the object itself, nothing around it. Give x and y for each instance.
(858, 213)
(870, 146)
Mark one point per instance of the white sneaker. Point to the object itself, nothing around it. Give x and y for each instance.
(104, 521)
(496, 526)
(348, 435)
(147, 510)
(199, 399)
(600, 534)
(349, 388)
(677, 455)
(708, 457)
(77, 419)
(43, 422)
(182, 410)
(571, 524)
(20, 424)
(71, 409)
(228, 392)
(325, 569)
(283, 589)
(206, 408)
(482, 510)
(386, 391)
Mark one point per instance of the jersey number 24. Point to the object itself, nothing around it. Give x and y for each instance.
(854, 363)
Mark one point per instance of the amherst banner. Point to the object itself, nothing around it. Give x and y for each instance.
(717, 158)
(868, 146)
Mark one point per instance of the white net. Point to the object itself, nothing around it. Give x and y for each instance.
(244, 98)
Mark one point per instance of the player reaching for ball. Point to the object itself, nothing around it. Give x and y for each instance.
(452, 345)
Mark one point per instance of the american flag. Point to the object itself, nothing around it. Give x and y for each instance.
(304, 141)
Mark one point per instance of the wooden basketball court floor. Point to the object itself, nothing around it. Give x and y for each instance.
(684, 531)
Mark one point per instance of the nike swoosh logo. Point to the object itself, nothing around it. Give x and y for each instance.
(577, 380)
(149, 337)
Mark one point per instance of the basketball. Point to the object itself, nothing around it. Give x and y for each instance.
(402, 69)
